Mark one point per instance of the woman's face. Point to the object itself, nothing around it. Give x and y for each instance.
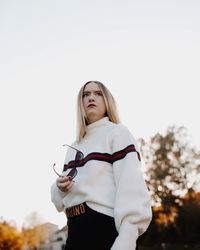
(93, 102)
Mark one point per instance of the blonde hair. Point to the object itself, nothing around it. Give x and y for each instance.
(111, 109)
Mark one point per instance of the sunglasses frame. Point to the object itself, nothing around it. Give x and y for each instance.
(73, 172)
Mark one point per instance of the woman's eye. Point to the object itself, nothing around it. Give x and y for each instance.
(99, 93)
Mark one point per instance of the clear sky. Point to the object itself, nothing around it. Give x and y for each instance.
(146, 52)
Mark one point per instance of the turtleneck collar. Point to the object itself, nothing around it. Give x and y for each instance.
(95, 125)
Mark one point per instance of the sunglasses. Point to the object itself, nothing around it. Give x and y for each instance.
(73, 172)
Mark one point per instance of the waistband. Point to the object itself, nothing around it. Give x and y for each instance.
(76, 210)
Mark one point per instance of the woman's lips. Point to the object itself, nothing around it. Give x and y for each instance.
(91, 105)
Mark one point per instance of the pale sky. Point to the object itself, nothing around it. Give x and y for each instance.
(146, 52)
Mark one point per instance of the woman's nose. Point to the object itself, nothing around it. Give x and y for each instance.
(91, 97)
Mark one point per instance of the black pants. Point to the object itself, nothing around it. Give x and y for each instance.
(89, 229)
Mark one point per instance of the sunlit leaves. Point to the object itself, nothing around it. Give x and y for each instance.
(10, 238)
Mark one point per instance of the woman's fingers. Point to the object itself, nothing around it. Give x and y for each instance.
(64, 183)
(63, 179)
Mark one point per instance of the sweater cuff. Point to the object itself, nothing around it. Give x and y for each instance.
(57, 197)
(128, 234)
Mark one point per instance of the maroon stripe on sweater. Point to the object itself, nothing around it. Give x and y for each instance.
(110, 158)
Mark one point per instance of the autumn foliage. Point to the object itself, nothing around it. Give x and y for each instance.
(10, 238)
(31, 236)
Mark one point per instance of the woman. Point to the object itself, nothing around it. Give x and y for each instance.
(102, 189)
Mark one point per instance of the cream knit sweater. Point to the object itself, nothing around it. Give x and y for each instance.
(109, 180)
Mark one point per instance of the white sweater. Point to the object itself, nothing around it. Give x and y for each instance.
(110, 181)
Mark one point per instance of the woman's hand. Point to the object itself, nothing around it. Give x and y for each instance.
(64, 183)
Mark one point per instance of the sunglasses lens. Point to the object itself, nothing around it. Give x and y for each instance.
(72, 173)
(79, 156)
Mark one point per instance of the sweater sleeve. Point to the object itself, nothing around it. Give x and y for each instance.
(57, 197)
(132, 210)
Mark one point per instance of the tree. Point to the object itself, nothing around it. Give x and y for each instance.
(33, 233)
(172, 165)
(172, 171)
(10, 238)
(188, 223)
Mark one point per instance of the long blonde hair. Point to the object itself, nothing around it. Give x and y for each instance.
(111, 109)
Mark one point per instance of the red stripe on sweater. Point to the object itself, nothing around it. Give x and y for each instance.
(111, 158)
